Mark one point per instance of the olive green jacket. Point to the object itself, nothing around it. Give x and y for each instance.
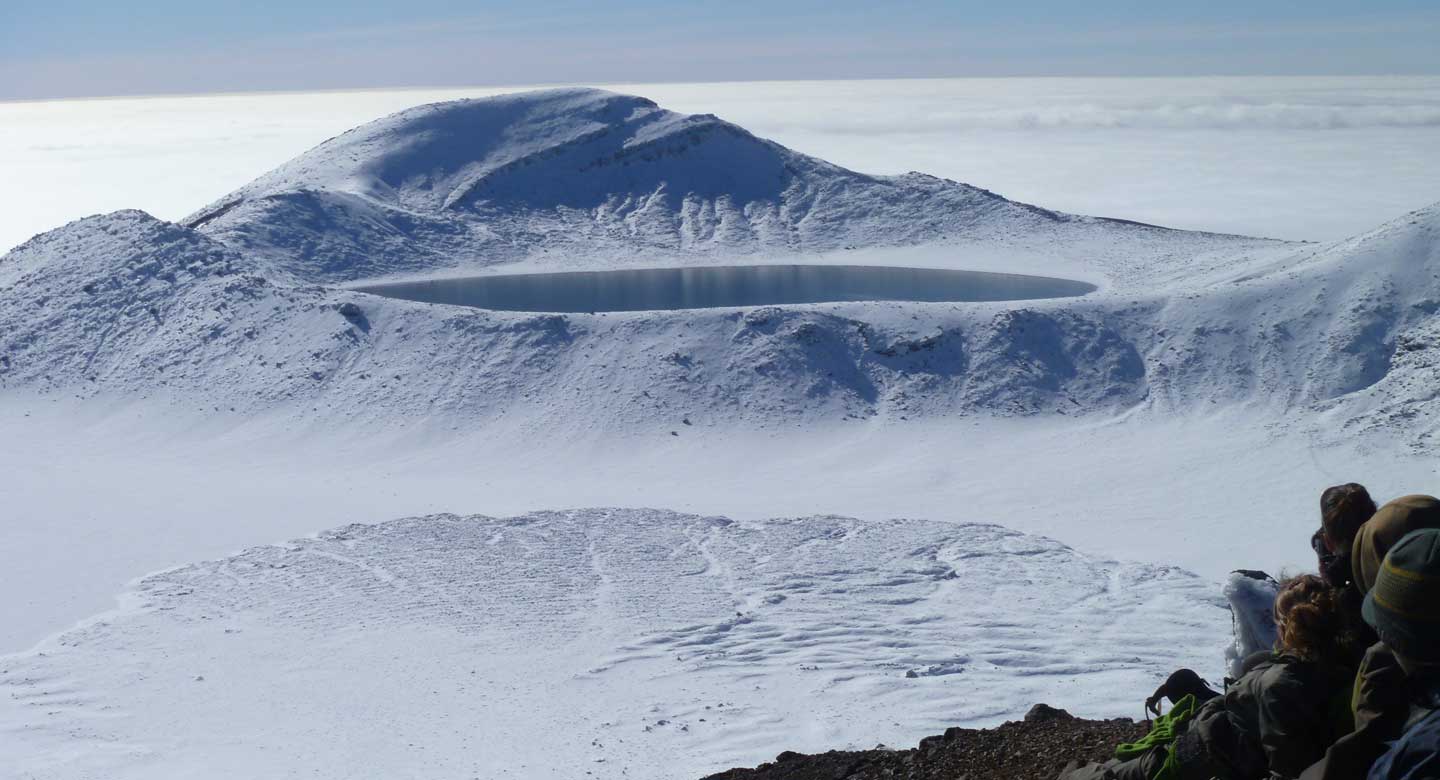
(1273, 722)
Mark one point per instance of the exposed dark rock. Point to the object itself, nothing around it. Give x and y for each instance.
(1043, 712)
(1036, 748)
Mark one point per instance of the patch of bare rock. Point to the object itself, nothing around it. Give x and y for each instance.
(1035, 748)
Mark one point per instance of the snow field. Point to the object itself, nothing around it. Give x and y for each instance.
(636, 643)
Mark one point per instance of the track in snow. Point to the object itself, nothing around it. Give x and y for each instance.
(634, 643)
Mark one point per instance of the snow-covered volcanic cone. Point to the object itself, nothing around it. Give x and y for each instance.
(572, 176)
(605, 643)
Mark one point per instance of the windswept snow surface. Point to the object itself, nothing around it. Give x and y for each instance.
(609, 643)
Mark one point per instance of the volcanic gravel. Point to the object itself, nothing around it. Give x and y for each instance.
(1036, 748)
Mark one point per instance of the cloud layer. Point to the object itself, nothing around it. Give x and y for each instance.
(1305, 158)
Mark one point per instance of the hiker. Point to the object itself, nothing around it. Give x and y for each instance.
(1380, 698)
(1388, 526)
(1343, 509)
(1403, 607)
(1274, 721)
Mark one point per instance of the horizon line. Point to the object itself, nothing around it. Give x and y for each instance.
(540, 85)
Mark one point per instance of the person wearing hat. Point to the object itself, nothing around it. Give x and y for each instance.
(1382, 531)
(1403, 607)
(1380, 697)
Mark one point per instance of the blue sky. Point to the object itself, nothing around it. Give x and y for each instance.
(59, 48)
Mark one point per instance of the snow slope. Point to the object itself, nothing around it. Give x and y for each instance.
(1340, 328)
(579, 175)
(126, 305)
(220, 316)
(607, 643)
(129, 305)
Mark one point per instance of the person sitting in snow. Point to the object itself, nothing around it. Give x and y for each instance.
(1274, 721)
(1403, 607)
(1380, 699)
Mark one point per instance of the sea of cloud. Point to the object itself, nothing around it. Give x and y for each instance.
(1300, 158)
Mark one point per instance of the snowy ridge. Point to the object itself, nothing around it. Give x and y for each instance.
(1337, 327)
(124, 304)
(1388, 337)
(81, 319)
(636, 643)
(219, 316)
(561, 175)
(90, 296)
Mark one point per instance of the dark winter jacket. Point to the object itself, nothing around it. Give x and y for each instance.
(1416, 755)
(1273, 722)
(1382, 705)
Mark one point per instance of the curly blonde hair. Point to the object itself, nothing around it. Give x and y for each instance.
(1309, 620)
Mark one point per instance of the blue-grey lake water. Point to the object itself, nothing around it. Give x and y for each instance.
(652, 289)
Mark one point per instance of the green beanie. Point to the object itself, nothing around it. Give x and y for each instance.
(1404, 605)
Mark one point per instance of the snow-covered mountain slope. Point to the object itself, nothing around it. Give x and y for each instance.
(1342, 327)
(582, 176)
(613, 643)
(214, 317)
(85, 301)
(230, 314)
(1382, 295)
(126, 305)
